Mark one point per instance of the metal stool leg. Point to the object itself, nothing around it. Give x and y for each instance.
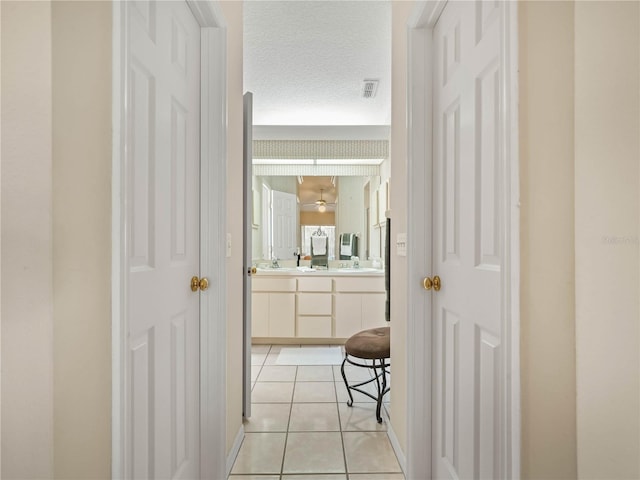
(380, 390)
(381, 385)
(346, 384)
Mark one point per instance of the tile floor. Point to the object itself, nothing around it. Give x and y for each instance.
(302, 429)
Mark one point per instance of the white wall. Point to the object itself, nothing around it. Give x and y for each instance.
(56, 157)
(350, 208)
(232, 12)
(286, 184)
(81, 39)
(256, 232)
(398, 203)
(27, 263)
(375, 244)
(580, 151)
(547, 308)
(0, 253)
(607, 143)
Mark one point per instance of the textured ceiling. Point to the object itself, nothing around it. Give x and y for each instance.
(305, 61)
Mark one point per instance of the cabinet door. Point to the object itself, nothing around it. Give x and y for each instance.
(373, 310)
(348, 314)
(282, 314)
(314, 304)
(314, 327)
(260, 315)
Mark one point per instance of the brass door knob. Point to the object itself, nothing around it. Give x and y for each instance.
(253, 270)
(199, 283)
(428, 283)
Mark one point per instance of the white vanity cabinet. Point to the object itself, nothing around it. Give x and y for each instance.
(359, 304)
(315, 307)
(273, 307)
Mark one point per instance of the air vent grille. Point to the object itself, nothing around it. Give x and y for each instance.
(369, 88)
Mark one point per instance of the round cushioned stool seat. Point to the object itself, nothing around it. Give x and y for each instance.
(369, 344)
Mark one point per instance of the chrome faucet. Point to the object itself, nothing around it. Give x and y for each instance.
(356, 262)
(274, 263)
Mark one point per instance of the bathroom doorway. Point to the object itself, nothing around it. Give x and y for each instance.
(320, 74)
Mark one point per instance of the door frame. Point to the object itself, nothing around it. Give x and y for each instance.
(420, 163)
(213, 158)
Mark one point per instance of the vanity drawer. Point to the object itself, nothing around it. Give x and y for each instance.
(367, 284)
(314, 284)
(273, 284)
(314, 303)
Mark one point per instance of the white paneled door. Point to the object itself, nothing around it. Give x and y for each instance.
(467, 358)
(285, 223)
(162, 392)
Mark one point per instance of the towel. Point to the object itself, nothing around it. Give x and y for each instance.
(319, 245)
(345, 245)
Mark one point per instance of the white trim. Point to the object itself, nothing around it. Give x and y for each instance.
(419, 250)
(324, 132)
(208, 13)
(213, 219)
(395, 444)
(118, 246)
(419, 239)
(235, 448)
(511, 214)
(420, 28)
(213, 202)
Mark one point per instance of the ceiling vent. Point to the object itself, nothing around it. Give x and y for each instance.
(369, 88)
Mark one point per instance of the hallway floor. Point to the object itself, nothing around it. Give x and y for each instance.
(302, 429)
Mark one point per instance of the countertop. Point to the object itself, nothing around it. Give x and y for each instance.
(308, 272)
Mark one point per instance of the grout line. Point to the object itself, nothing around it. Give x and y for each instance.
(337, 407)
(286, 435)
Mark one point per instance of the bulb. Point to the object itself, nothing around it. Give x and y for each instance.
(322, 208)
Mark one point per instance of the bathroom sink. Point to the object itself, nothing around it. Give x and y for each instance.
(278, 269)
(359, 270)
(308, 270)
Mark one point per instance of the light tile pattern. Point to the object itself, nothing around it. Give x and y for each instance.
(302, 429)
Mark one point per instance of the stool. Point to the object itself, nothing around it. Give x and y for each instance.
(372, 344)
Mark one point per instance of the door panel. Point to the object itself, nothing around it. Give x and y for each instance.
(466, 242)
(163, 194)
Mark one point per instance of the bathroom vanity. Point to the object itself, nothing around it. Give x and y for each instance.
(319, 306)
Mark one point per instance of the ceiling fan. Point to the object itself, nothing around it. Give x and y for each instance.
(321, 203)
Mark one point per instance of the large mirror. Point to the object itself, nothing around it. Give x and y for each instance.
(290, 209)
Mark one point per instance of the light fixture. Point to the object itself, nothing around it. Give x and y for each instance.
(321, 202)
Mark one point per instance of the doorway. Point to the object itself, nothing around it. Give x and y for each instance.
(324, 129)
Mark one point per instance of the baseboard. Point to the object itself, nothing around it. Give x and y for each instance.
(396, 448)
(231, 458)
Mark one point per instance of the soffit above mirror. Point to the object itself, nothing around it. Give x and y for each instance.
(330, 151)
(319, 157)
